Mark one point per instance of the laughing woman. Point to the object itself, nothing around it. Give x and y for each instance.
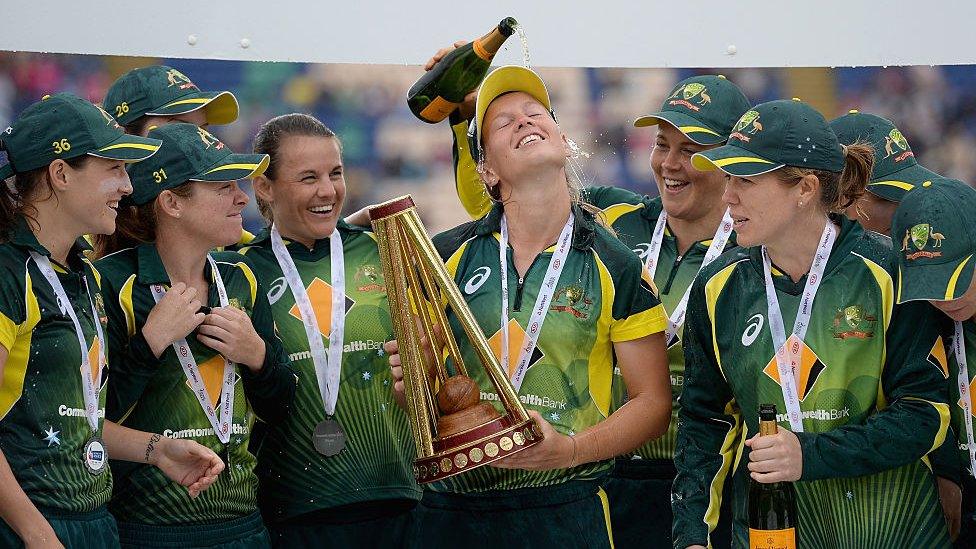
(193, 334)
(67, 174)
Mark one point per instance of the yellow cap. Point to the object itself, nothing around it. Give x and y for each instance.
(853, 111)
(797, 99)
(510, 78)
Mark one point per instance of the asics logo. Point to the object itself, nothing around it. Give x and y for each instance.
(642, 251)
(752, 330)
(477, 280)
(277, 290)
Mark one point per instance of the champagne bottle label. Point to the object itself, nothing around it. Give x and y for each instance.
(438, 109)
(772, 539)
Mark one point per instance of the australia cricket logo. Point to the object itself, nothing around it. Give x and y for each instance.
(177, 78)
(693, 96)
(369, 278)
(209, 140)
(750, 123)
(919, 236)
(109, 121)
(853, 322)
(572, 300)
(896, 139)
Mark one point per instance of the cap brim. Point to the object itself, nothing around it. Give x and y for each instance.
(220, 107)
(234, 167)
(128, 148)
(942, 282)
(687, 125)
(894, 185)
(510, 78)
(733, 160)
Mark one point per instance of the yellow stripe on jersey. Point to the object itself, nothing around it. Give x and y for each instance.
(600, 372)
(943, 411)
(605, 504)
(713, 288)
(95, 273)
(887, 287)
(125, 302)
(616, 211)
(455, 259)
(251, 280)
(8, 332)
(18, 355)
(638, 325)
(730, 446)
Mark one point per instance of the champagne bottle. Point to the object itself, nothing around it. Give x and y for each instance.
(440, 90)
(772, 507)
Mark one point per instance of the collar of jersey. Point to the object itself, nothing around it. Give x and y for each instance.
(150, 269)
(652, 211)
(584, 225)
(22, 237)
(850, 233)
(321, 248)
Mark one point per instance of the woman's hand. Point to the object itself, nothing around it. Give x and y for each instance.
(228, 330)
(173, 318)
(951, 497)
(186, 462)
(392, 349)
(556, 451)
(775, 458)
(466, 108)
(42, 536)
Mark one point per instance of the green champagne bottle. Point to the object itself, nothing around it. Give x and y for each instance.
(440, 90)
(772, 507)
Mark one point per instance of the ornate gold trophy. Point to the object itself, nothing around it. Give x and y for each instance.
(453, 430)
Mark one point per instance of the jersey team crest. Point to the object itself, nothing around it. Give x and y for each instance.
(369, 278)
(572, 300)
(853, 322)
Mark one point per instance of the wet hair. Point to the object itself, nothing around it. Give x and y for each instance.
(135, 224)
(838, 191)
(19, 193)
(270, 136)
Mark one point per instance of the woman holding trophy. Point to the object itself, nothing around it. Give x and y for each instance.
(562, 297)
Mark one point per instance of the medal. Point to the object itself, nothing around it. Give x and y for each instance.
(95, 456)
(329, 438)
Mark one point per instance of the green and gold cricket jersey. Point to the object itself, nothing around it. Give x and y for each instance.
(633, 218)
(600, 298)
(873, 403)
(151, 394)
(377, 461)
(43, 427)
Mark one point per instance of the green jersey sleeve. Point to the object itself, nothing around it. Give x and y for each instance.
(709, 431)
(132, 362)
(604, 197)
(912, 416)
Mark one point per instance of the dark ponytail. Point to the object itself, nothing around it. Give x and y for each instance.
(838, 191)
(18, 194)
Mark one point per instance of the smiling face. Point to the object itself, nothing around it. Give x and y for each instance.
(520, 137)
(308, 188)
(686, 193)
(91, 196)
(763, 208)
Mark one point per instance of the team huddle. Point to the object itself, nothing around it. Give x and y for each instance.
(170, 380)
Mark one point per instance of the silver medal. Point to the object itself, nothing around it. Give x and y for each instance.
(95, 456)
(329, 438)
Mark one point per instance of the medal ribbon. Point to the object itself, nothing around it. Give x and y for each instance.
(788, 359)
(327, 366)
(715, 249)
(90, 387)
(221, 423)
(959, 349)
(538, 317)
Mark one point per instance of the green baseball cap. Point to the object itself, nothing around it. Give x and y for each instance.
(703, 108)
(936, 222)
(164, 91)
(190, 153)
(895, 169)
(772, 135)
(66, 126)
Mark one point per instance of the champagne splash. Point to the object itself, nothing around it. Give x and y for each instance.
(520, 32)
(575, 161)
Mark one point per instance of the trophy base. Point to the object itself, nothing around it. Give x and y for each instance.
(476, 447)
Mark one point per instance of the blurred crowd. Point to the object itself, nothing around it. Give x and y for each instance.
(388, 152)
